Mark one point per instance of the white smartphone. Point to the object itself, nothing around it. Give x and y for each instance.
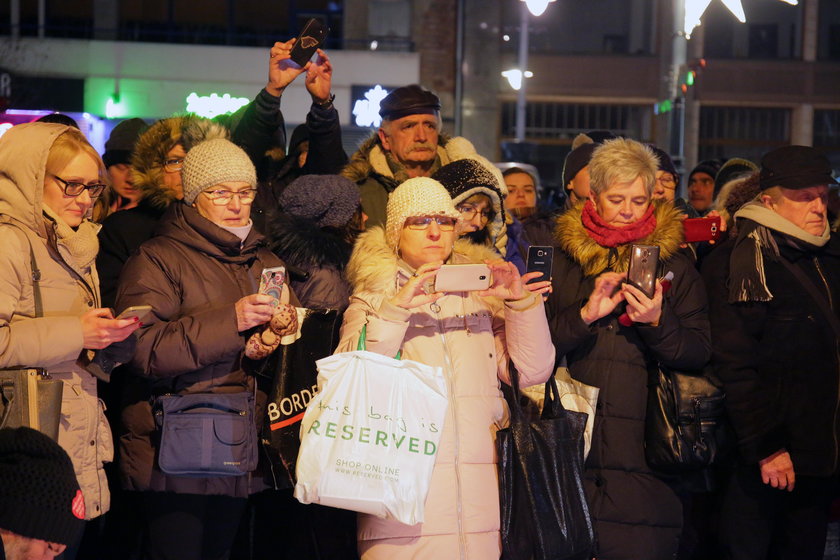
(462, 278)
(139, 311)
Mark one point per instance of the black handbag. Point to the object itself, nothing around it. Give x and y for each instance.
(544, 511)
(685, 421)
(289, 377)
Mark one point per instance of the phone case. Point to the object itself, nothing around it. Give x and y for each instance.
(310, 39)
(271, 282)
(701, 229)
(462, 278)
(539, 260)
(644, 262)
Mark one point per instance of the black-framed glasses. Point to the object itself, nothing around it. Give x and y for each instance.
(445, 223)
(468, 212)
(74, 188)
(222, 197)
(173, 164)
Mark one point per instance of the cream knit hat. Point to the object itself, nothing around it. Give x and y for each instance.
(213, 162)
(420, 196)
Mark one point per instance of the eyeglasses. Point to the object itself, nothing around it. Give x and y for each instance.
(173, 165)
(445, 223)
(468, 212)
(222, 197)
(74, 188)
(667, 182)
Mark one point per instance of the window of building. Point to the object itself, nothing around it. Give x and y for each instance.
(747, 132)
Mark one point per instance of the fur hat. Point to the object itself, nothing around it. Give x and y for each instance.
(326, 200)
(795, 167)
(467, 177)
(733, 169)
(39, 495)
(420, 196)
(121, 142)
(213, 162)
(408, 100)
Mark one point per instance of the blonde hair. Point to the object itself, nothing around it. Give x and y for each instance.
(68, 145)
(622, 161)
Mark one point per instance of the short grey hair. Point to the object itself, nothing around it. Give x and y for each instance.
(622, 161)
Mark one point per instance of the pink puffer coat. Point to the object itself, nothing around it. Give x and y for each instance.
(471, 338)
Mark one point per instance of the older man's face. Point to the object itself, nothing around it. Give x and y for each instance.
(412, 140)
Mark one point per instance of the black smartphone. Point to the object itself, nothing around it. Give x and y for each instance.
(644, 262)
(310, 39)
(539, 260)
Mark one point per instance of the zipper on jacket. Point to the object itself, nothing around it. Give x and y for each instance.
(450, 382)
(837, 357)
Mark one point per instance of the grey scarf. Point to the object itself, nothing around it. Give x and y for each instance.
(747, 281)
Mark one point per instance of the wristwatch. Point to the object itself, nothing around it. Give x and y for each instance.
(325, 104)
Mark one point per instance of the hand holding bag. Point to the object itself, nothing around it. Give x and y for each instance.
(545, 515)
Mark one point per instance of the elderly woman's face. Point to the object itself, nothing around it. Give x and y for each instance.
(227, 204)
(426, 239)
(621, 204)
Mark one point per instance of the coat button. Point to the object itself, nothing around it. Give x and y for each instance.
(609, 327)
(92, 442)
(599, 482)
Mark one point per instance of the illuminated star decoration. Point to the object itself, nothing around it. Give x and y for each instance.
(694, 10)
(366, 110)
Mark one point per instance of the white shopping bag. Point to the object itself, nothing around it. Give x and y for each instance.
(370, 436)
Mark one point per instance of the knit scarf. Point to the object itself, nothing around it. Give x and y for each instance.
(608, 235)
(78, 246)
(747, 281)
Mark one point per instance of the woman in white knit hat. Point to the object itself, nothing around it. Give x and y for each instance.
(472, 336)
(200, 274)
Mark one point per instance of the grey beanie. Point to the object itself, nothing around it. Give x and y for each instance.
(213, 162)
(327, 200)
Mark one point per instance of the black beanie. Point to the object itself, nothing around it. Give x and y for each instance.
(710, 167)
(665, 162)
(326, 200)
(121, 142)
(732, 169)
(576, 160)
(39, 495)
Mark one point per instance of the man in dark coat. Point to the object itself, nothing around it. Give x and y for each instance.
(773, 294)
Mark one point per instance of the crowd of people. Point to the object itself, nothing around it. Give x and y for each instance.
(183, 215)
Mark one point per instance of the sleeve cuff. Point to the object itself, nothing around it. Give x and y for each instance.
(524, 303)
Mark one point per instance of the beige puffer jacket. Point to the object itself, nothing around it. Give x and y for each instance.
(53, 341)
(471, 338)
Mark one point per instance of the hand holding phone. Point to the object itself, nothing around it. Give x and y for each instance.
(138, 311)
(271, 283)
(701, 229)
(644, 262)
(540, 259)
(311, 38)
(462, 278)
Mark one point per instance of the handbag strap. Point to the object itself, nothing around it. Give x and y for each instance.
(362, 346)
(36, 272)
(552, 407)
(819, 297)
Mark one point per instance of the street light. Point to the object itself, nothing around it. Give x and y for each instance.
(537, 7)
(514, 77)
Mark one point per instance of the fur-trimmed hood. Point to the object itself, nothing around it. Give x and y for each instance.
(299, 242)
(374, 268)
(370, 160)
(594, 259)
(153, 145)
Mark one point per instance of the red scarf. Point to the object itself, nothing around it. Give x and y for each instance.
(607, 235)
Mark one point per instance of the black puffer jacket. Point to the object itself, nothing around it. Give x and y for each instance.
(779, 359)
(636, 514)
(192, 273)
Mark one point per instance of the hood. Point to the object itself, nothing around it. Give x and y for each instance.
(153, 145)
(594, 259)
(299, 242)
(373, 267)
(23, 159)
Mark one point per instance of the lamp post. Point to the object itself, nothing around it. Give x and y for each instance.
(535, 7)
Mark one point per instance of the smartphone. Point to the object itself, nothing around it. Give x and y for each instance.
(462, 278)
(644, 262)
(701, 229)
(310, 39)
(271, 282)
(539, 260)
(139, 311)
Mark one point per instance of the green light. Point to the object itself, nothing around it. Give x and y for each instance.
(114, 108)
(689, 78)
(211, 105)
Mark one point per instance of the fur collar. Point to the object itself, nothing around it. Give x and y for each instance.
(595, 259)
(374, 268)
(300, 242)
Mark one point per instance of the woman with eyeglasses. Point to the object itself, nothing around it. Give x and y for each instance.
(472, 335)
(201, 275)
(50, 311)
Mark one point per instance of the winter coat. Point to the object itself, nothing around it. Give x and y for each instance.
(326, 157)
(316, 258)
(778, 359)
(123, 232)
(53, 341)
(369, 168)
(191, 273)
(471, 338)
(636, 514)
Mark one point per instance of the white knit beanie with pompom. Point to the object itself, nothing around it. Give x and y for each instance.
(420, 196)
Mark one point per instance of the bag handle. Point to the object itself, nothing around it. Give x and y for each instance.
(552, 407)
(362, 346)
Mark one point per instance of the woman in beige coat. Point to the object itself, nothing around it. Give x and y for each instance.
(471, 335)
(49, 177)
